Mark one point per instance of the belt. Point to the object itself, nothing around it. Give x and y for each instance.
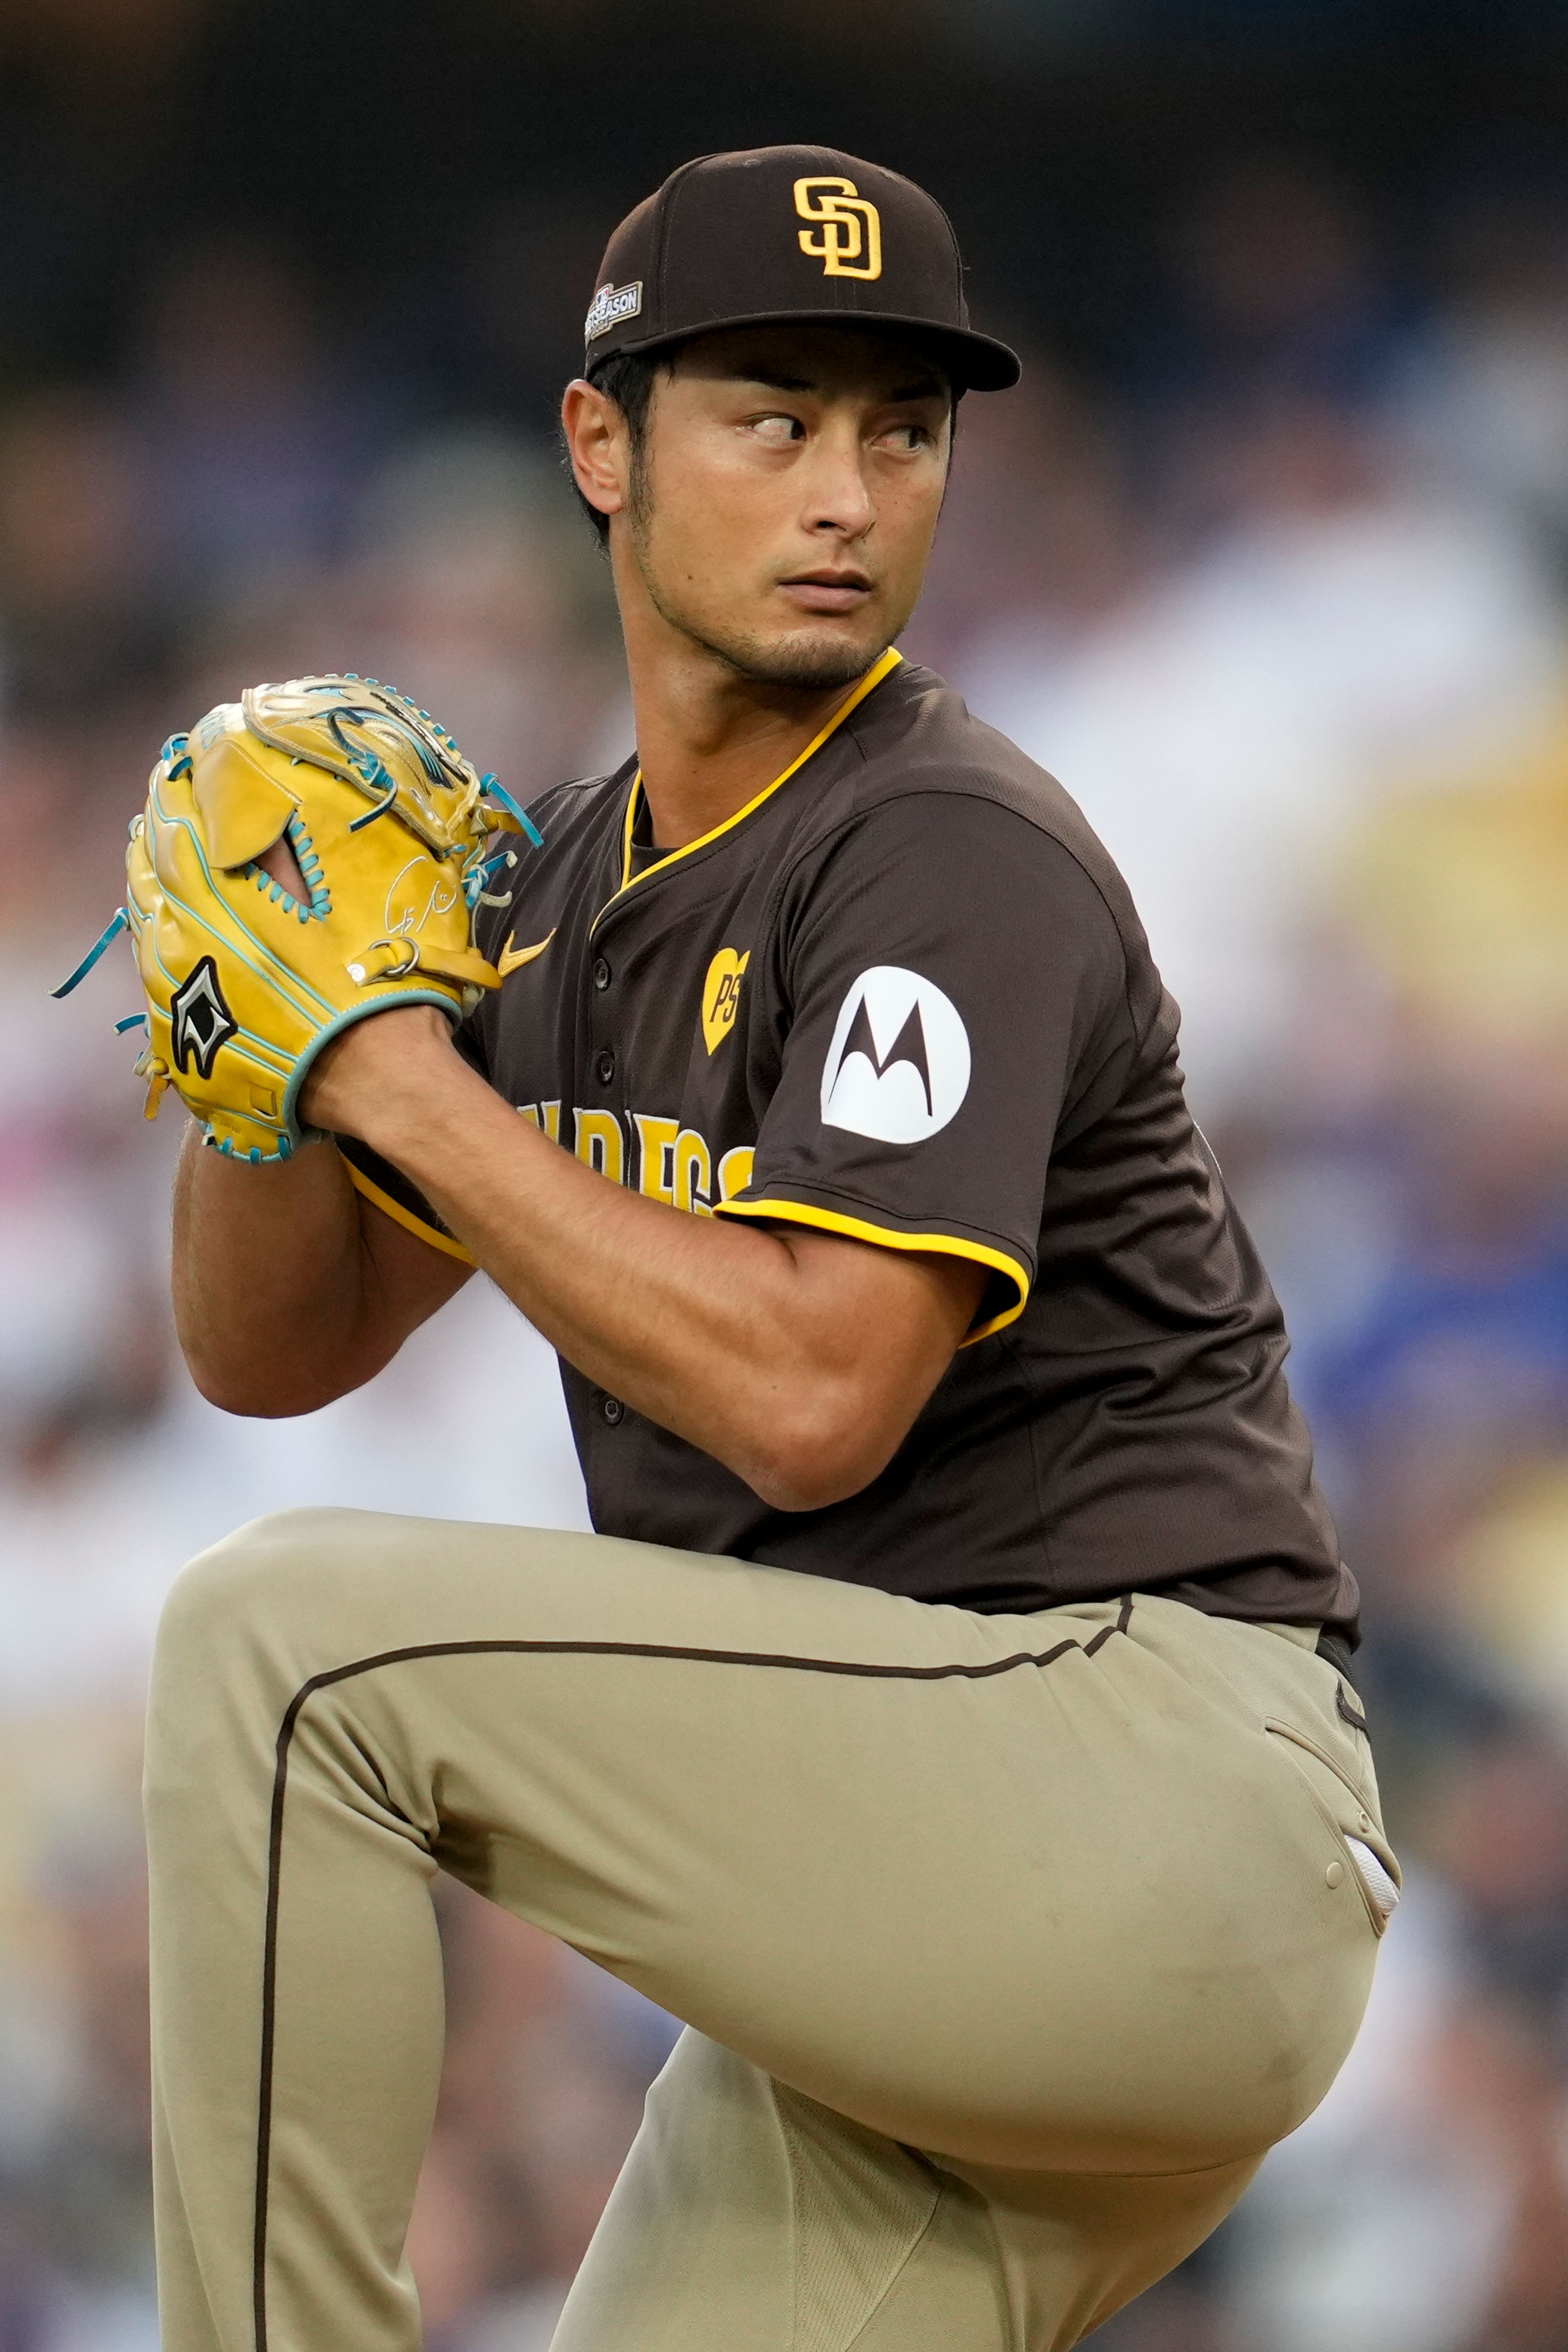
(1336, 1651)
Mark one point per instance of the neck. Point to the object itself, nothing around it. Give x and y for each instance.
(709, 740)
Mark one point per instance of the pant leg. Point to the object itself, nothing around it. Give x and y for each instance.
(750, 2217)
(973, 1884)
(742, 2199)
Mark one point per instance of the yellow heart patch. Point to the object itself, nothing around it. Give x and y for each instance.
(722, 996)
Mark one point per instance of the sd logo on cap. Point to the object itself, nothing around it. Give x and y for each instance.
(721, 244)
(841, 209)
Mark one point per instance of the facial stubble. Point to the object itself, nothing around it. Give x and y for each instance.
(801, 661)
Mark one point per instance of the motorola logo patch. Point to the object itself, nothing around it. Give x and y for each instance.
(897, 1067)
(201, 1020)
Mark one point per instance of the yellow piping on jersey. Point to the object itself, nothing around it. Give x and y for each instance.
(405, 1217)
(874, 676)
(939, 1245)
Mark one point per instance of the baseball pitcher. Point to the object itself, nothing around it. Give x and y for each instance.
(951, 1718)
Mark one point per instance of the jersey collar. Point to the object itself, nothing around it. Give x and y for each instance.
(630, 881)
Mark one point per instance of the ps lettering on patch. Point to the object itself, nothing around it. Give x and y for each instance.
(722, 996)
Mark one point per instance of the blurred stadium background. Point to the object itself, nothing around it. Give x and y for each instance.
(1267, 559)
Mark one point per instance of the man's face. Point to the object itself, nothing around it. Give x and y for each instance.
(783, 512)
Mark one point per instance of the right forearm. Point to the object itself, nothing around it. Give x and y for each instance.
(273, 1288)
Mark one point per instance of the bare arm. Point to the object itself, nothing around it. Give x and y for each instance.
(289, 1289)
(798, 1359)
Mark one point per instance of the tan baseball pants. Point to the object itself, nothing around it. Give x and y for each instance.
(1008, 1945)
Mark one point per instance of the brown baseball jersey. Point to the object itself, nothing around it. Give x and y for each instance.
(903, 996)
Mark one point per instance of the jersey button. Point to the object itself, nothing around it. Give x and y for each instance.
(605, 1067)
(601, 972)
(614, 1410)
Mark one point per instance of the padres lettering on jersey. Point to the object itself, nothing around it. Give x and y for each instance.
(673, 1163)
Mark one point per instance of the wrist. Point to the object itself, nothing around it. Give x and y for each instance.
(379, 1075)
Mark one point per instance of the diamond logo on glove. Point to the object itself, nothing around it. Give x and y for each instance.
(201, 1019)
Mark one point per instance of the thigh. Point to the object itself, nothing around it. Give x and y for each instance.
(1027, 1891)
(749, 2219)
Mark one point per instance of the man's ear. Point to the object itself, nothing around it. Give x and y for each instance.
(598, 445)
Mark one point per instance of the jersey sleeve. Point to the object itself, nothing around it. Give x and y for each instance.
(389, 1190)
(948, 975)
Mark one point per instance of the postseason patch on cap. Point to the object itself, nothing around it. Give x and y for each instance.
(610, 305)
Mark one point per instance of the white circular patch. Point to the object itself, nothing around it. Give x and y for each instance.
(897, 1067)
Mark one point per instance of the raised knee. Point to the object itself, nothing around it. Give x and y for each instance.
(230, 1653)
(226, 1591)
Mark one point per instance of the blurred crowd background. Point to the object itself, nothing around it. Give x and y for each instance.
(1267, 559)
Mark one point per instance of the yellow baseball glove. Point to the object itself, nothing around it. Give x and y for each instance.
(246, 981)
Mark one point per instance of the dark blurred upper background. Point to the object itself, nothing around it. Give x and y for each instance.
(1267, 559)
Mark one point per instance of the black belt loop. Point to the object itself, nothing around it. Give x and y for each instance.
(1346, 1712)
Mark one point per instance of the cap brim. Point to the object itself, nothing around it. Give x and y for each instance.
(975, 362)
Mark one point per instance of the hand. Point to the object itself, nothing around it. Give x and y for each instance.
(358, 1082)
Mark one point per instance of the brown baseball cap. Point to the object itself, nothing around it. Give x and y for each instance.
(769, 233)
